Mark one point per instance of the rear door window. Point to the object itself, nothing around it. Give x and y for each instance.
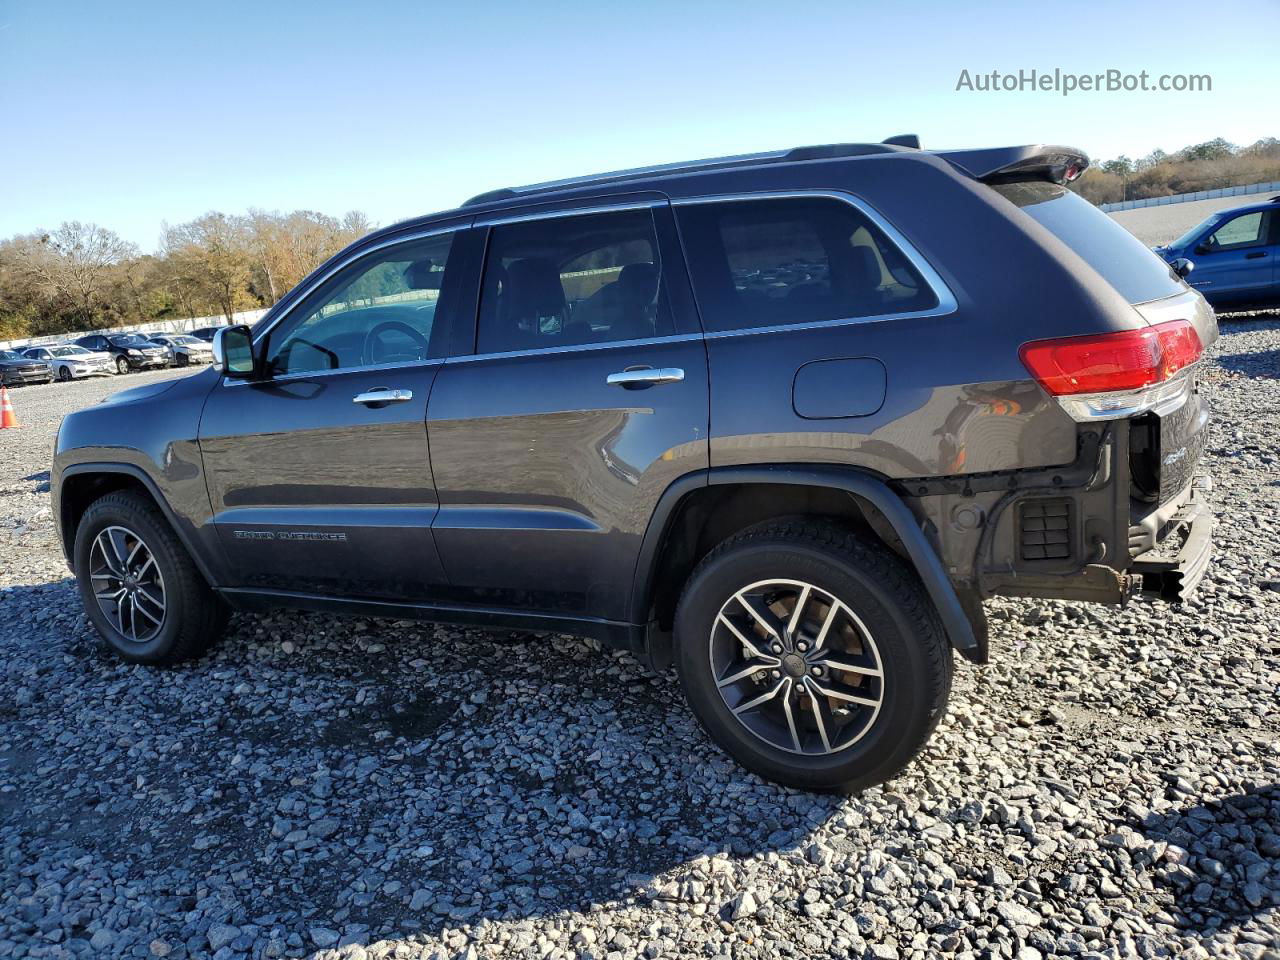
(572, 280)
(1120, 258)
(785, 260)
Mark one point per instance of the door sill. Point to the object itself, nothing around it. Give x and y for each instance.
(612, 633)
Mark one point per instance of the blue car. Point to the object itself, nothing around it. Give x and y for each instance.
(1234, 256)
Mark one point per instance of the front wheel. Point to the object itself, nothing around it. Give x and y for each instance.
(122, 365)
(64, 373)
(812, 656)
(139, 586)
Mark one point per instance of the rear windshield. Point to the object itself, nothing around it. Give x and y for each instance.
(1118, 256)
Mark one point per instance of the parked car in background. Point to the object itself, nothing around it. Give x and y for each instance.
(129, 351)
(1234, 256)
(70, 361)
(184, 349)
(16, 369)
(205, 333)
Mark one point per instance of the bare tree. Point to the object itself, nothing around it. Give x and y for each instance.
(74, 263)
(213, 251)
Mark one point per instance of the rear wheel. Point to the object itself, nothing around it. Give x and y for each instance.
(139, 586)
(812, 656)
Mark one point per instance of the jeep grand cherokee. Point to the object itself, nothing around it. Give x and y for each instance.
(787, 418)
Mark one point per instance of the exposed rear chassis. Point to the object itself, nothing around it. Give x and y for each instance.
(1116, 546)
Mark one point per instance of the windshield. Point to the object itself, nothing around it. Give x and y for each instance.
(10, 355)
(68, 351)
(184, 340)
(128, 340)
(1118, 256)
(1195, 231)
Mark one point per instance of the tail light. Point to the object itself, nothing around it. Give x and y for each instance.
(1116, 374)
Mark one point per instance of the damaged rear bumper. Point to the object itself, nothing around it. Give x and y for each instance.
(1173, 568)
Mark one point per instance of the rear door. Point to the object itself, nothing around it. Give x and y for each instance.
(319, 475)
(585, 398)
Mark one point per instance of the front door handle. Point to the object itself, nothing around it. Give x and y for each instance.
(1255, 256)
(634, 378)
(381, 396)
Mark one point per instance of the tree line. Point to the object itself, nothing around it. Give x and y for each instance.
(1203, 166)
(82, 276)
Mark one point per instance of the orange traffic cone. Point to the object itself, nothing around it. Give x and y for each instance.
(7, 416)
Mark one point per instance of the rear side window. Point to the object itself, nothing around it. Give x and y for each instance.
(1117, 255)
(566, 281)
(785, 260)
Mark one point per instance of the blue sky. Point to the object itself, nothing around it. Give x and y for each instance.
(130, 114)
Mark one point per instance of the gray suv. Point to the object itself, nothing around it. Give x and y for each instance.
(786, 419)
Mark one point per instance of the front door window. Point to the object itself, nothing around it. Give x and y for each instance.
(380, 311)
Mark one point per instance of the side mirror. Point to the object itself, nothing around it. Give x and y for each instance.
(233, 352)
(1182, 267)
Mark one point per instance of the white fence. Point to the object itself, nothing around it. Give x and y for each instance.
(1242, 191)
(159, 326)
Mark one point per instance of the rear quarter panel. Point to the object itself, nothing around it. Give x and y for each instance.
(958, 399)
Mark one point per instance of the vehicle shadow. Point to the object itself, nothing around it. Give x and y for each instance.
(1223, 863)
(1265, 363)
(375, 778)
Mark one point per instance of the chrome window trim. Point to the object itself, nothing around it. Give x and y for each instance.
(946, 305)
(575, 348)
(319, 374)
(501, 219)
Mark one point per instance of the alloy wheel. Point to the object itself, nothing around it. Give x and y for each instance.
(127, 584)
(796, 667)
(122, 365)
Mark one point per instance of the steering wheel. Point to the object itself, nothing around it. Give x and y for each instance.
(399, 326)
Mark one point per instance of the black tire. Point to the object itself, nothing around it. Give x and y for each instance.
(194, 616)
(122, 365)
(883, 595)
(182, 360)
(64, 373)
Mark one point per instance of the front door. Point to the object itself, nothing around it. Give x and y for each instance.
(585, 399)
(319, 474)
(1237, 261)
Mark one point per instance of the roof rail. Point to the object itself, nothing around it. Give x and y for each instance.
(818, 152)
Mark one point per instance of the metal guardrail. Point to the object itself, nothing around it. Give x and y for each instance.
(1241, 191)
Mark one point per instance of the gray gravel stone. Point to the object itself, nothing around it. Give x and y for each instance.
(1108, 786)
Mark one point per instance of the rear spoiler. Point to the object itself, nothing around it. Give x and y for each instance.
(1008, 164)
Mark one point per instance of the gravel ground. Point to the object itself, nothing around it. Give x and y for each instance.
(1108, 787)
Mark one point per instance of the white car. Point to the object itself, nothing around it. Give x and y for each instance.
(184, 349)
(71, 362)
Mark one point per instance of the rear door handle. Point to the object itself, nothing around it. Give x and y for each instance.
(381, 396)
(1255, 256)
(635, 377)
